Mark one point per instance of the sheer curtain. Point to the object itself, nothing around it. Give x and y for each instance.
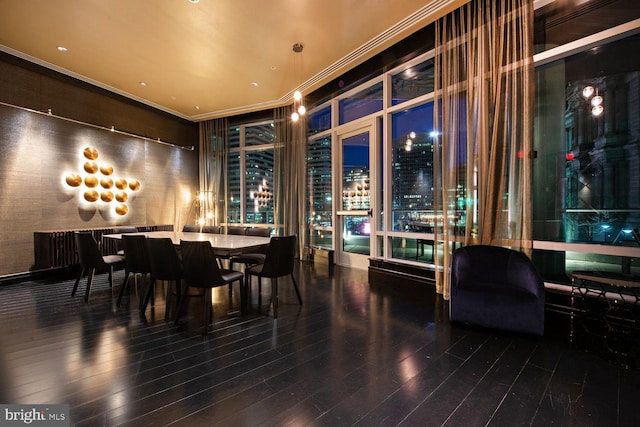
(484, 119)
(213, 143)
(291, 143)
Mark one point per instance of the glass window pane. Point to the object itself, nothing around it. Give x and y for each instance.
(320, 120)
(259, 187)
(586, 175)
(412, 168)
(234, 137)
(356, 234)
(412, 82)
(259, 135)
(361, 104)
(355, 173)
(233, 208)
(319, 185)
(557, 266)
(321, 238)
(420, 250)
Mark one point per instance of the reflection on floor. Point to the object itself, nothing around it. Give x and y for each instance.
(354, 353)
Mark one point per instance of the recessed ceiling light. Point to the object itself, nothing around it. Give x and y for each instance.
(254, 84)
(273, 68)
(62, 49)
(143, 83)
(194, 1)
(196, 107)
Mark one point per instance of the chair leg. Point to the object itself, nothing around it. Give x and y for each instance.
(142, 290)
(295, 286)
(75, 287)
(259, 293)
(178, 307)
(111, 276)
(206, 310)
(247, 289)
(147, 296)
(243, 297)
(124, 286)
(274, 296)
(89, 283)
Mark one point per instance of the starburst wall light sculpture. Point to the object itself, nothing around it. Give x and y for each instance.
(98, 185)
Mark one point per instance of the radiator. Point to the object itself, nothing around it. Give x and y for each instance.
(58, 248)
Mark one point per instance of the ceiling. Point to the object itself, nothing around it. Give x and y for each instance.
(212, 58)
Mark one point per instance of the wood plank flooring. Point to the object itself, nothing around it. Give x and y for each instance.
(353, 354)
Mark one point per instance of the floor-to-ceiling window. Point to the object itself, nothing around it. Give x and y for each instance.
(250, 188)
(586, 187)
(319, 178)
(587, 135)
(412, 186)
(586, 170)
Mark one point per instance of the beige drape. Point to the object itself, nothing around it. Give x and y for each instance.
(213, 143)
(290, 174)
(483, 114)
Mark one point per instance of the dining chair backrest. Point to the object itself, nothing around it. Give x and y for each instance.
(188, 228)
(88, 252)
(125, 229)
(280, 256)
(136, 259)
(257, 231)
(163, 259)
(235, 230)
(199, 265)
(212, 229)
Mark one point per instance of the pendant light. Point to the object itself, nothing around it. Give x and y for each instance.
(298, 102)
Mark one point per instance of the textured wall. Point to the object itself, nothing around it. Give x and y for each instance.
(37, 151)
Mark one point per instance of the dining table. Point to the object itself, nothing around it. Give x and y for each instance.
(224, 245)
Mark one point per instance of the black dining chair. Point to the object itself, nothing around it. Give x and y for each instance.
(239, 231)
(279, 261)
(123, 229)
(188, 228)
(91, 260)
(258, 232)
(255, 257)
(212, 229)
(136, 261)
(201, 271)
(165, 265)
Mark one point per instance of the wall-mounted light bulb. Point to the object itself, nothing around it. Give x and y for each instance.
(297, 95)
(295, 116)
(597, 110)
(302, 109)
(587, 91)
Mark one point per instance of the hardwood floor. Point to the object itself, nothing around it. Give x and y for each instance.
(353, 354)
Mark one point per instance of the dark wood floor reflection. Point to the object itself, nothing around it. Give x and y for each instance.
(353, 354)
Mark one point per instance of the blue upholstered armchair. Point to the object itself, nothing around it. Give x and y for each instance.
(496, 287)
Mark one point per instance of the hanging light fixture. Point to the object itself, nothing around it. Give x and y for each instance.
(596, 102)
(298, 106)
